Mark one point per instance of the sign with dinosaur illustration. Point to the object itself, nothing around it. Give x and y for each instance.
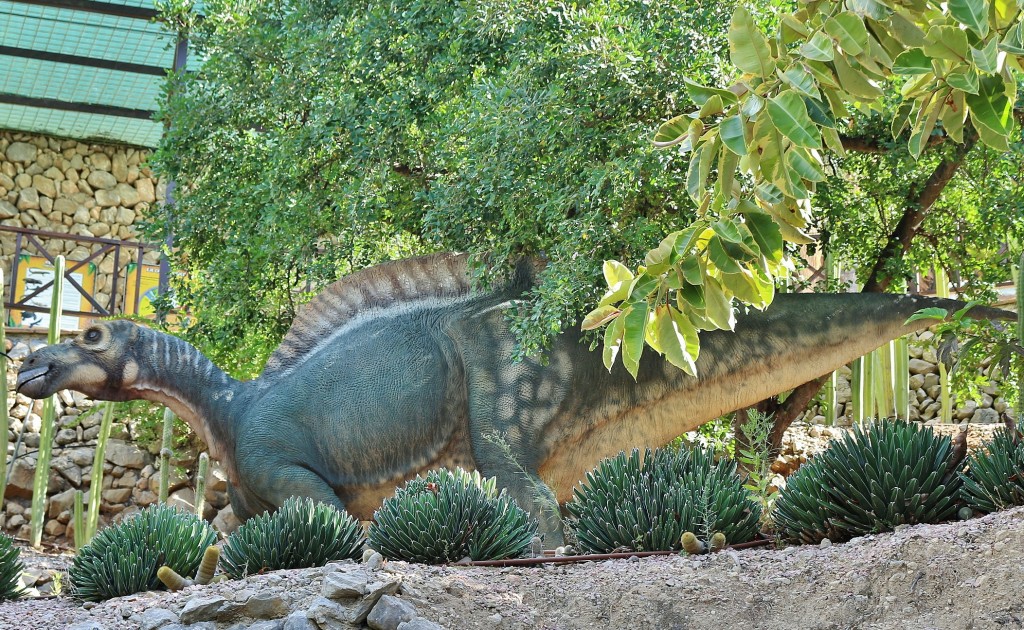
(36, 271)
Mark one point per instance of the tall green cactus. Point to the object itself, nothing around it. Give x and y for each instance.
(1020, 339)
(4, 419)
(165, 455)
(96, 480)
(42, 476)
(204, 467)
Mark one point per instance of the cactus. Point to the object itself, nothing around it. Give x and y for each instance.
(995, 476)
(41, 480)
(449, 515)
(204, 468)
(300, 534)
(717, 542)
(10, 569)
(165, 455)
(872, 480)
(691, 544)
(175, 582)
(645, 504)
(124, 558)
(79, 521)
(5, 421)
(1020, 339)
(92, 521)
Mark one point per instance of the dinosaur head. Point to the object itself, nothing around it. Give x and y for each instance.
(100, 362)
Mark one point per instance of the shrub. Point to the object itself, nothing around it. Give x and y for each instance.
(10, 569)
(449, 515)
(299, 534)
(995, 477)
(872, 480)
(124, 558)
(647, 503)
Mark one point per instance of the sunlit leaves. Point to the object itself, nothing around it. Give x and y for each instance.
(748, 46)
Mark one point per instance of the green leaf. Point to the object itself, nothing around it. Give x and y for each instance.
(801, 80)
(906, 30)
(612, 341)
(1013, 41)
(966, 80)
(720, 258)
(678, 339)
(789, 115)
(819, 114)
(869, 8)
(599, 317)
(933, 312)
(947, 42)
(712, 106)
(672, 132)
(818, 48)
(953, 117)
(991, 111)
(693, 295)
(733, 133)
(801, 163)
(853, 81)
(699, 94)
(766, 233)
(748, 47)
(633, 336)
(971, 13)
(912, 61)
(849, 31)
(719, 305)
(619, 278)
(986, 57)
(728, 230)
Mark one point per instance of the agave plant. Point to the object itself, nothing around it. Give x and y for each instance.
(449, 515)
(995, 476)
(873, 479)
(124, 558)
(10, 569)
(301, 533)
(646, 503)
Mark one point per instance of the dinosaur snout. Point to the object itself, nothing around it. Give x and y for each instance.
(33, 377)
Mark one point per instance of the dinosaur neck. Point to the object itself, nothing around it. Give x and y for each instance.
(174, 373)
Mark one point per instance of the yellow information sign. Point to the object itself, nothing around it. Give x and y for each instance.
(34, 272)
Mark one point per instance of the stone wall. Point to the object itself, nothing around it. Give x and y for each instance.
(74, 188)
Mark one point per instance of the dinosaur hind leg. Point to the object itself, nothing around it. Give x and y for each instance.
(270, 484)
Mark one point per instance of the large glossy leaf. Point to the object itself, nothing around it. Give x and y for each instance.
(612, 341)
(801, 80)
(853, 81)
(1013, 41)
(748, 47)
(677, 338)
(986, 57)
(732, 130)
(913, 61)
(599, 317)
(849, 31)
(789, 114)
(905, 30)
(719, 257)
(672, 132)
(819, 113)
(719, 305)
(766, 232)
(991, 111)
(966, 80)
(947, 42)
(633, 336)
(818, 48)
(953, 117)
(804, 165)
(699, 94)
(971, 13)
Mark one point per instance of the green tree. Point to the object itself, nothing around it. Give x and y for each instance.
(320, 137)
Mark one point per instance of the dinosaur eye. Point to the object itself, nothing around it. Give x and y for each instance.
(93, 335)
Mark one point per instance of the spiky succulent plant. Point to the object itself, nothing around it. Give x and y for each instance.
(124, 558)
(448, 515)
(994, 479)
(873, 479)
(10, 569)
(301, 533)
(646, 503)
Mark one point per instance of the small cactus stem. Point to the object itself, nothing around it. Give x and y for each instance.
(171, 579)
(165, 455)
(204, 467)
(209, 565)
(80, 539)
(42, 475)
(96, 480)
(691, 544)
(717, 542)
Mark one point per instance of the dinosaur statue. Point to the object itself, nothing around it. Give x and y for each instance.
(403, 367)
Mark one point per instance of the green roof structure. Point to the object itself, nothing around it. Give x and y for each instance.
(84, 69)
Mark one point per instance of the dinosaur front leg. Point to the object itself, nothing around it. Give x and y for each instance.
(265, 487)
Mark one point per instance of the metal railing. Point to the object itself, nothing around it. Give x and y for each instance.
(122, 250)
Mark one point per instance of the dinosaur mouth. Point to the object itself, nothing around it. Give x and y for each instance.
(27, 376)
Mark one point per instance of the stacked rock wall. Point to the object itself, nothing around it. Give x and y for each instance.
(74, 188)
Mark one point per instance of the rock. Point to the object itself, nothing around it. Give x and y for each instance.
(264, 606)
(7, 211)
(155, 618)
(100, 161)
(28, 199)
(389, 612)
(62, 502)
(119, 166)
(101, 180)
(45, 186)
(920, 366)
(184, 498)
(129, 198)
(21, 152)
(916, 381)
(120, 453)
(931, 380)
(19, 484)
(298, 620)
(107, 198)
(145, 189)
(344, 585)
(116, 495)
(87, 625)
(212, 608)
(325, 613)
(966, 410)
(266, 624)
(65, 437)
(985, 415)
(419, 623)
(226, 521)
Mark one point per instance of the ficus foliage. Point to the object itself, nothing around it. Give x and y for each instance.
(319, 137)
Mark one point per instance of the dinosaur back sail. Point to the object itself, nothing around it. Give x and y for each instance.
(440, 277)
